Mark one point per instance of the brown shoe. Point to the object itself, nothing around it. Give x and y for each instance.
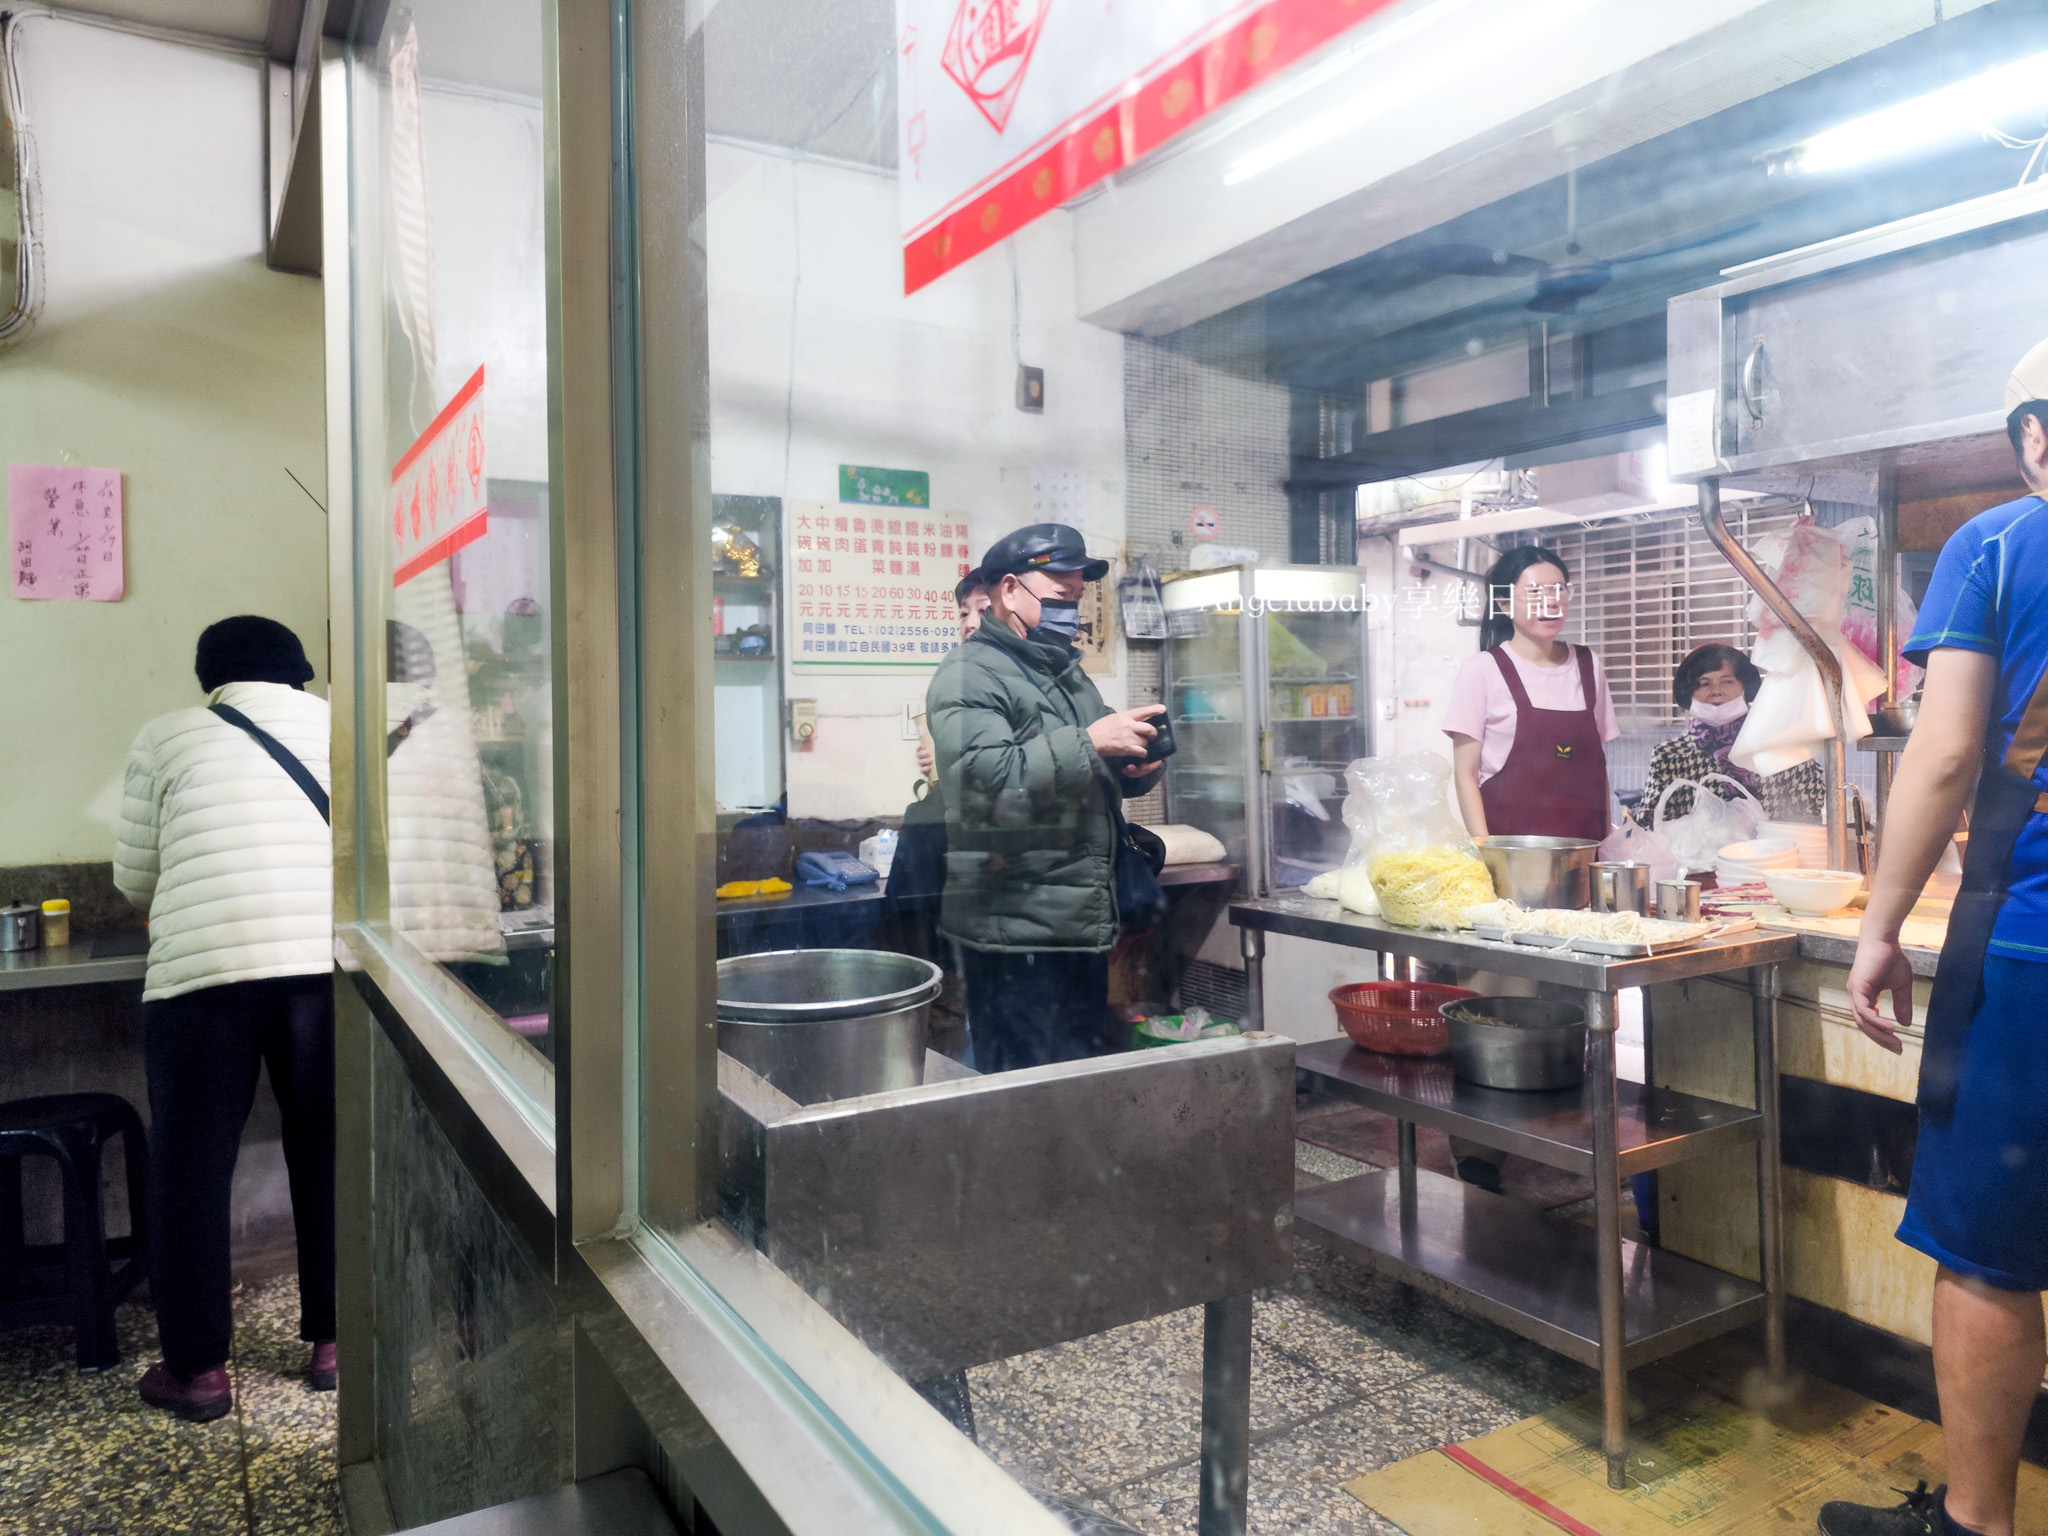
(200, 1398)
(321, 1370)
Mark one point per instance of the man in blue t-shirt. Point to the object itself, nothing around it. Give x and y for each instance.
(1978, 1203)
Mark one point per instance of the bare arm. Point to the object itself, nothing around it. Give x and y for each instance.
(1465, 774)
(1937, 773)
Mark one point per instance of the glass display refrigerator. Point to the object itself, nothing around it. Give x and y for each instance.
(1266, 678)
(746, 648)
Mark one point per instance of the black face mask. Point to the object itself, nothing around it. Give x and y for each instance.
(1059, 622)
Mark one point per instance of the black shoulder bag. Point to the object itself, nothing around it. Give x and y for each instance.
(280, 754)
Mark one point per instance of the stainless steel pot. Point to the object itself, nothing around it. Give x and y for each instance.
(1539, 871)
(828, 1023)
(1540, 1045)
(20, 927)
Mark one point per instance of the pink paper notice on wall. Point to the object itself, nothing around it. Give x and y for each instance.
(64, 532)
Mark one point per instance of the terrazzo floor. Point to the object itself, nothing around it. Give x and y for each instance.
(84, 1456)
(1349, 1373)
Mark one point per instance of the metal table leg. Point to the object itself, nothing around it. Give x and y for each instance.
(1226, 1415)
(1763, 982)
(1252, 945)
(1607, 1230)
(1406, 1160)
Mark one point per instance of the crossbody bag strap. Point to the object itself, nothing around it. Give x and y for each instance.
(280, 754)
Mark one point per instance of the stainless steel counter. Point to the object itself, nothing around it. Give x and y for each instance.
(123, 958)
(1307, 918)
(1835, 949)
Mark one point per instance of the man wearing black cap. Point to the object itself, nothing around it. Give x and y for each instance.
(1033, 765)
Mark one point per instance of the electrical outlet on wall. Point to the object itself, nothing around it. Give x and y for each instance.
(803, 723)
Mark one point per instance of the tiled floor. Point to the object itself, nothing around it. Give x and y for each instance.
(84, 1456)
(1349, 1373)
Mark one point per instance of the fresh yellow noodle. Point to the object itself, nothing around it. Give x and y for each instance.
(1428, 887)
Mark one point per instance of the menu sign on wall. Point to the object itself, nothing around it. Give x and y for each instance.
(1008, 108)
(871, 587)
(440, 499)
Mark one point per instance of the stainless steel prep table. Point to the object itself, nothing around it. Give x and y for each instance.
(1591, 1295)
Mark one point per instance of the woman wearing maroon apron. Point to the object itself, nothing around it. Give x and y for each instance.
(1530, 715)
(1528, 722)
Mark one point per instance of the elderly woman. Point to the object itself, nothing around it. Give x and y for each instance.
(1714, 685)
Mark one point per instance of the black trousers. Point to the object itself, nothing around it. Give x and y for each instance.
(204, 1051)
(1027, 1010)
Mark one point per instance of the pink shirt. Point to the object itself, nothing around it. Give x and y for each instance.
(1482, 707)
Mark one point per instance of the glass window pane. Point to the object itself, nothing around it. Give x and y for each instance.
(458, 184)
(1221, 364)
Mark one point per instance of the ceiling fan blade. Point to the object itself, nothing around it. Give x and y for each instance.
(1460, 259)
(1689, 245)
(1559, 293)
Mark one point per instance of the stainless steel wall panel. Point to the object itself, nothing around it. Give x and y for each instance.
(972, 1220)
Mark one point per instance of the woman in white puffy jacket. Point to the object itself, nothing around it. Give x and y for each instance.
(224, 842)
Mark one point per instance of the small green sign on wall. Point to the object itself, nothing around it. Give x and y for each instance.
(885, 487)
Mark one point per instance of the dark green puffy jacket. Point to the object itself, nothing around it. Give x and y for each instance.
(1030, 838)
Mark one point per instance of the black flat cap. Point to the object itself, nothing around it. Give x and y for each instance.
(1041, 547)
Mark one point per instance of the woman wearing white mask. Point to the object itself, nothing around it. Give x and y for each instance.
(1714, 685)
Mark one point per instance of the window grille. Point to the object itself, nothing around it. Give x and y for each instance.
(1644, 594)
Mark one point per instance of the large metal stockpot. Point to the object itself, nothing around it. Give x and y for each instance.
(1537, 1045)
(1539, 871)
(828, 1023)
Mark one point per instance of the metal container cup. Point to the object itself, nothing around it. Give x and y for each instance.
(825, 1024)
(19, 927)
(1622, 886)
(1678, 901)
(1539, 871)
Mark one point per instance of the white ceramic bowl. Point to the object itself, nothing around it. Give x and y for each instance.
(1810, 840)
(1812, 892)
(1763, 853)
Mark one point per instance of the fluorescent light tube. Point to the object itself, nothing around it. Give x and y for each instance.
(1967, 106)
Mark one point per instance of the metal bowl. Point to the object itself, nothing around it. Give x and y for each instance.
(828, 1023)
(1540, 871)
(1540, 1046)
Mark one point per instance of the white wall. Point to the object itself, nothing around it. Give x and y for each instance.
(167, 350)
(818, 360)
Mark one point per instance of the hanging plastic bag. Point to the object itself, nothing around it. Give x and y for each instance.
(1419, 859)
(1790, 712)
(1628, 841)
(1141, 603)
(1698, 837)
(1859, 609)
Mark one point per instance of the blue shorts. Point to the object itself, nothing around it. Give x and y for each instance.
(1978, 1203)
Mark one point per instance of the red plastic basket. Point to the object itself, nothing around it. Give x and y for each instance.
(1397, 1018)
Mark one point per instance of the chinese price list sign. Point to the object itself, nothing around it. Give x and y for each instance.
(64, 534)
(440, 499)
(871, 588)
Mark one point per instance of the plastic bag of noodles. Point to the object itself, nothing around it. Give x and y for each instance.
(1423, 870)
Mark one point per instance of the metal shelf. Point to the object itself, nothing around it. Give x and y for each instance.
(1655, 1126)
(1522, 1267)
(1883, 743)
